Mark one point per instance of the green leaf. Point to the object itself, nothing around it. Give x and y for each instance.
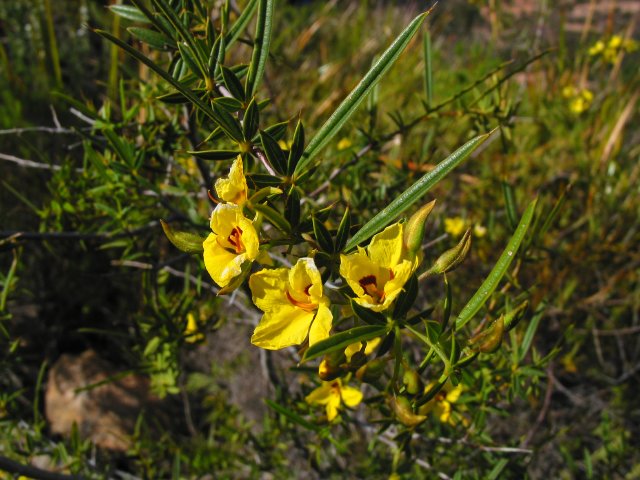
(261, 180)
(415, 192)
(232, 83)
(228, 123)
(359, 93)
(273, 152)
(323, 237)
(367, 315)
(177, 23)
(292, 207)
(510, 204)
(277, 131)
(500, 268)
(344, 339)
(130, 13)
(260, 46)
(155, 39)
(251, 120)
(214, 154)
(297, 148)
(165, 75)
(241, 23)
(530, 333)
(190, 58)
(160, 22)
(231, 105)
(274, 217)
(343, 231)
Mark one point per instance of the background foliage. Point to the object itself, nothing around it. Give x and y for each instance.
(90, 160)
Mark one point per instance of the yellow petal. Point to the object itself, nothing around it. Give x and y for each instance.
(305, 279)
(351, 396)
(395, 285)
(454, 394)
(443, 411)
(234, 188)
(282, 328)
(320, 395)
(355, 266)
(386, 248)
(333, 404)
(221, 264)
(268, 289)
(321, 324)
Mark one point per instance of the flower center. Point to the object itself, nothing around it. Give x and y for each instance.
(235, 239)
(370, 286)
(305, 304)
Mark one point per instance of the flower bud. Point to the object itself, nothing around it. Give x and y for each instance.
(415, 227)
(412, 381)
(404, 413)
(453, 257)
(371, 372)
(489, 340)
(513, 317)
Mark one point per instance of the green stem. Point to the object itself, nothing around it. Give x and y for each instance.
(435, 346)
(54, 56)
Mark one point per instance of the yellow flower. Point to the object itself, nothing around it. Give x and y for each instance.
(333, 394)
(293, 306)
(344, 143)
(191, 332)
(233, 242)
(479, 230)
(569, 91)
(455, 226)
(378, 274)
(596, 48)
(581, 102)
(615, 42)
(234, 188)
(440, 405)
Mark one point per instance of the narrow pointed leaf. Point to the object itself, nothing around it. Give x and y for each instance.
(415, 192)
(251, 121)
(343, 231)
(232, 83)
(491, 282)
(241, 23)
(273, 152)
(344, 339)
(274, 217)
(228, 123)
(130, 13)
(165, 75)
(214, 154)
(155, 39)
(158, 21)
(260, 46)
(359, 93)
(297, 148)
(323, 237)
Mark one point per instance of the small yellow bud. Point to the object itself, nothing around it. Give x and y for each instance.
(489, 340)
(404, 413)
